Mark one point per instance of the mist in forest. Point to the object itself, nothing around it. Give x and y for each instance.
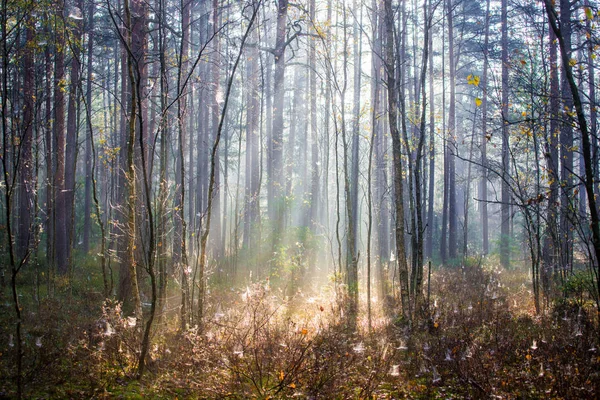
(315, 199)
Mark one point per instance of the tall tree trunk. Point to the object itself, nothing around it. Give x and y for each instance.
(277, 181)
(49, 142)
(444, 230)
(213, 160)
(585, 138)
(551, 243)
(452, 144)
(315, 187)
(216, 76)
(397, 160)
(421, 107)
(566, 150)
(121, 235)
(356, 35)
(431, 191)
(164, 161)
(87, 207)
(351, 255)
(251, 216)
(26, 173)
(180, 193)
(484, 138)
(61, 243)
(72, 131)
(505, 206)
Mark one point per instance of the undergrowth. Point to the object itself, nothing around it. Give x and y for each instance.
(477, 338)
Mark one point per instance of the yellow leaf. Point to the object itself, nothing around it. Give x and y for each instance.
(436, 325)
(304, 331)
(572, 62)
(292, 385)
(473, 80)
(478, 101)
(281, 375)
(528, 357)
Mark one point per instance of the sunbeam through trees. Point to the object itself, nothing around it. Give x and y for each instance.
(299, 198)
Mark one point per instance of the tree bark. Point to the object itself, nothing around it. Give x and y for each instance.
(397, 160)
(505, 199)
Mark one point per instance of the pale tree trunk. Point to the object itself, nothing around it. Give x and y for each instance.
(164, 160)
(277, 180)
(120, 195)
(452, 144)
(72, 132)
(431, 190)
(215, 77)
(351, 256)
(87, 207)
(213, 166)
(444, 230)
(382, 212)
(375, 106)
(314, 188)
(324, 217)
(483, 184)
(251, 216)
(422, 104)
(566, 150)
(356, 35)
(180, 234)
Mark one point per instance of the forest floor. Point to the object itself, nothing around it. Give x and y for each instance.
(481, 339)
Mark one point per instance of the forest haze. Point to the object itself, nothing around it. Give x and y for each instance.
(299, 198)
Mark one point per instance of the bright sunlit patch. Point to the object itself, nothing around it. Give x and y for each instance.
(359, 348)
